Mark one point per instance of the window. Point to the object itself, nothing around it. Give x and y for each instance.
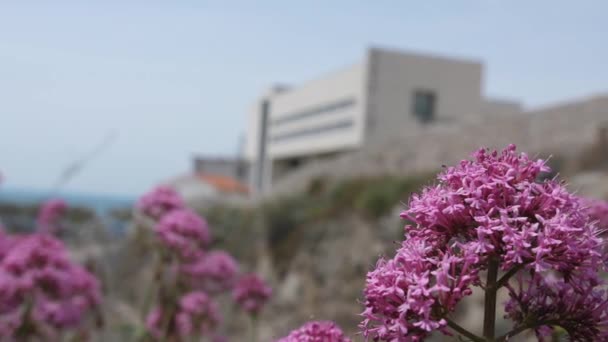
(318, 110)
(336, 126)
(424, 105)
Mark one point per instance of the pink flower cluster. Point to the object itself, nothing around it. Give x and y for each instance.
(491, 208)
(251, 293)
(196, 314)
(190, 271)
(213, 272)
(49, 215)
(183, 232)
(579, 308)
(598, 211)
(316, 331)
(41, 287)
(160, 201)
(403, 294)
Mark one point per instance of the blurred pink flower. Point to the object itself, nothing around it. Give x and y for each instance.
(7, 241)
(251, 293)
(183, 232)
(212, 272)
(49, 215)
(598, 211)
(154, 322)
(317, 331)
(196, 314)
(37, 269)
(160, 201)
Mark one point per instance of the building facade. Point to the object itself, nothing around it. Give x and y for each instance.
(235, 168)
(387, 93)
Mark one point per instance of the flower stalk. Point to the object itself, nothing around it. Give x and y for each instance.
(491, 288)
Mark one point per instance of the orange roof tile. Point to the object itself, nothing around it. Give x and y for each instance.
(224, 183)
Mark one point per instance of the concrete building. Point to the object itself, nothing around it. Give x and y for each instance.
(387, 93)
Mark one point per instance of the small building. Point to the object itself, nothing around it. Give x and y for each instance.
(236, 168)
(387, 93)
(212, 180)
(208, 188)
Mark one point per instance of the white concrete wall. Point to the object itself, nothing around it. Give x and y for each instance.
(335, 87)
(192, 188)
(395, 76)
(252, 134)
(501, 107)
(568, 125)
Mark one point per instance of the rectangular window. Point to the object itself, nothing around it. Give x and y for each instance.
(424, 105)
(306, 132)
(315, 111)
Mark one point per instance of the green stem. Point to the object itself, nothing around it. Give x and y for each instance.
(522, 328)
(464, 332)
(489, 319)
(505, 278)
(153, 288)
(512, 333)
(253, 328)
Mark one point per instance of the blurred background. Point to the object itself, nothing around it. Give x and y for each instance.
(299, 130)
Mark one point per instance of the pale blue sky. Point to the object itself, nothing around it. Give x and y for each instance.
(175, 78)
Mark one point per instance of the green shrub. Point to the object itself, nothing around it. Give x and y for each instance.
(382, 195)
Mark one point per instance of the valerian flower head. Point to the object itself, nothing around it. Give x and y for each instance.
(579, 308)
(183, 232)
(196, 314)
(212, 272)
(406, 295)
(49, 215)
(316, 331)
(491, 208)
(598, 211)
(7, 241)
(160, 201)
(36, 272)
(251, 293)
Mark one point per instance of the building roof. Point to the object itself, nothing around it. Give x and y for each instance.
(224, 184)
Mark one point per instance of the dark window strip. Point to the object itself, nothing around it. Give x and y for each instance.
(343, 104)
(314, 130)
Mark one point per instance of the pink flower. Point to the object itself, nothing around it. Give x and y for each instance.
(37, 269)
(183, 232)
(7, 241)
(160, 201)
(213, 272)
(598, 211)
(49, 215)
(154, 323)
(319, 331)
(403, 293)
(489, 208)
(196, 314)
(580, 309)
(251, 293)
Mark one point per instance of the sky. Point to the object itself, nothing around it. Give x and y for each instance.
(162, 81)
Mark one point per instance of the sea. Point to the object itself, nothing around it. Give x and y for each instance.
(101, 204)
